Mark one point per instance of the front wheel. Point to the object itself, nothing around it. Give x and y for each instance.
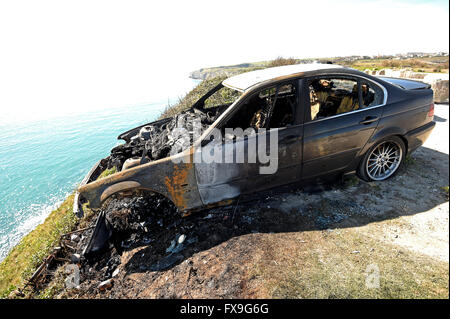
(382, 160)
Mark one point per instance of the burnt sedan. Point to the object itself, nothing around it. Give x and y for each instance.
(328, 120)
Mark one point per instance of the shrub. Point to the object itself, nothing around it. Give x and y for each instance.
(282, 61)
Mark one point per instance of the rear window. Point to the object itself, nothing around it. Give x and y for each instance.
(372, 94)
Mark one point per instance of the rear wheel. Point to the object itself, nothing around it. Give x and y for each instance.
(382, 160)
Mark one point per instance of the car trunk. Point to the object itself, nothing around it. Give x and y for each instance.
(406, 84)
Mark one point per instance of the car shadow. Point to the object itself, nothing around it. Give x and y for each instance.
(439, 119)
(350, 202)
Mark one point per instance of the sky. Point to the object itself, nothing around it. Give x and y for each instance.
(59, 56)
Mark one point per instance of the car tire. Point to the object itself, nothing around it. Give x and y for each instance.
(382, 160)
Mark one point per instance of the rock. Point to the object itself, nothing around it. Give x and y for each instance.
(192, 240)
(214, 238)
(73, 237)
(17, 293)
(107, 284)
(440, 89)
(211, 284)
(75, 258)
(116, 272)
(178, 249)
(176, 245)
(173, 243)
(181, 239)
(166, 262)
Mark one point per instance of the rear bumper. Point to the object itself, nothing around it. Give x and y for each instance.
(419, 135)
(77, 201)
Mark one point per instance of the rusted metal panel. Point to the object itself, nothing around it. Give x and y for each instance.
(170, 177)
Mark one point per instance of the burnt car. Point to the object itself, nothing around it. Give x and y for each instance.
(329, 120)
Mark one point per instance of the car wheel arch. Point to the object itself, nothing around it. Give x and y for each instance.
(363, 157)
(106, 195)
(382, 134)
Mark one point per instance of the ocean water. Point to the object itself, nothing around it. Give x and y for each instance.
(42, 161)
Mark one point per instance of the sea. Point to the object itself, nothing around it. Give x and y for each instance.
(42, 160)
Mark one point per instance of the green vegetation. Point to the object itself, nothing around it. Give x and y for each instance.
(24, 258)
(190, 98)
(351, 181)
(446, 191)
(107, 172)
(55, 287)
(409, 160)
(224, 96)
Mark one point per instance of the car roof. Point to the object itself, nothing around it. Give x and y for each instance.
(244, 81)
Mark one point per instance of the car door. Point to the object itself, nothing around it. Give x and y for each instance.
(229, 177)
(286, 155)
(222, 178)
(332, 141)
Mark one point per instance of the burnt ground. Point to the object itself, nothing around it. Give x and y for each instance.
(326, 236)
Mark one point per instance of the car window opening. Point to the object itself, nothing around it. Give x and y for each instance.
(330, 97)
(273, 107)
(333, 96)
(220, 97)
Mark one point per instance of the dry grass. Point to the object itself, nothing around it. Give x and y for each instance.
(190, 98)
(414, 64)
(334, 264)
(25, 257)
(224, 96)
(280, 61)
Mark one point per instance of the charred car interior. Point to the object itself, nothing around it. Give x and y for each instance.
(332, 96)
(270, 108)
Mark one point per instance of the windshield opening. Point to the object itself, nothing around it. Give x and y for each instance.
(219, 96)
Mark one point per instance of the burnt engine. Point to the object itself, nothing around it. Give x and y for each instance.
(157, 140)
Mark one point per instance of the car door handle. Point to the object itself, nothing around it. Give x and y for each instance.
(369, 119)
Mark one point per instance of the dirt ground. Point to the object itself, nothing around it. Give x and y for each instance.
(302, 244)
